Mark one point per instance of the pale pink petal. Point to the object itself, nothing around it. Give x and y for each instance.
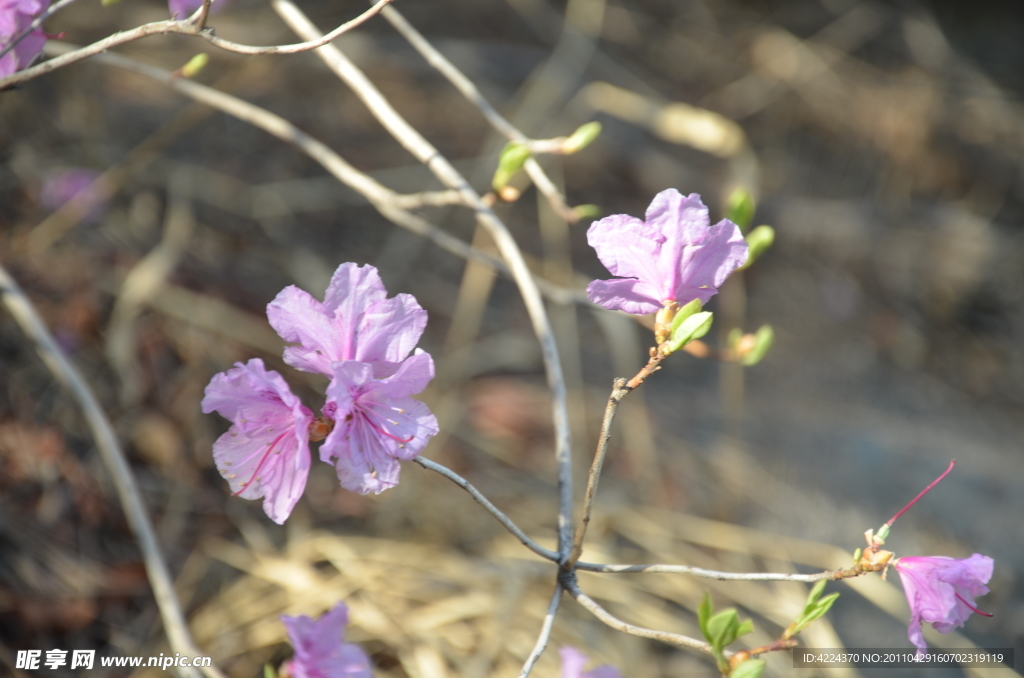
(265, 453)
(707, 264)
(624, 294)
(389, 329)
(299, 318)
(351, 292)
(626, 246)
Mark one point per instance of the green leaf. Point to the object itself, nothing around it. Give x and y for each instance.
(582, 137)
(752, 668)
(693, 327)
(512, 159)
(683, 313)
(763, 339)
(758, 242)
(815, 593)
(704, 615)
(269, 672)
(745, 628)
(723, 627)
(740, 209)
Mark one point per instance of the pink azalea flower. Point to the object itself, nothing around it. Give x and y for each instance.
(941, 591)
(320, 650)
(265, 453)
(376, 422)
(15, 17)
(356, 321)
(573, 662)
(675, 255)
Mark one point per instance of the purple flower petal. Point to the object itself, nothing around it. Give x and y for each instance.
(15, 17)
(356, 321)
(941, 591)
(573, 662)
(376, 423)
(182, 9)
(320, 650)
(265, 453)
(624, 294)
(674, 256)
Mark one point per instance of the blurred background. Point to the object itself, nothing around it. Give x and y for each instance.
(883, 142)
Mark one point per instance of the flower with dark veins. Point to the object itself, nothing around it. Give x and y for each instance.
(265, 453)
(673, 256)
(320, 650)
(941, 591)
(376, 422)
(355, 321)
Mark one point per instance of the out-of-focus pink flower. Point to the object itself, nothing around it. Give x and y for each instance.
(265, 453)
(376, 422)
(182, 9)
(63, 185)
(675, 255)
(573, 662)
(320, 650)
(941, 591)
(15, 17)
(356, 321)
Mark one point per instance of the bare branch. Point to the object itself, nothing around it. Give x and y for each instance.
(619, 391)
(425, 152)
(113, 457)
(185, 27)
(706, 574)
(568, 581)
(473, 95)
(491, 508)
(545, 632)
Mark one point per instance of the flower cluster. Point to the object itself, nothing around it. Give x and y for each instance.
(361, 340)
(941, 591)
(15, 18)
(673, 256)
(320, 650)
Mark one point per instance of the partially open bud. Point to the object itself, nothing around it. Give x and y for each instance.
(663, 321)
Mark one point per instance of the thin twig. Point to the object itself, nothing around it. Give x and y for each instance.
(568, 581)
(36, 23)
(701, 572)
(411, 201)
(386, 201)
(183, 27)
(545, 632)
(175, 625)
(473, 95)
(425, 152)
(619, 392)
(201, 15)
(491, 508)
